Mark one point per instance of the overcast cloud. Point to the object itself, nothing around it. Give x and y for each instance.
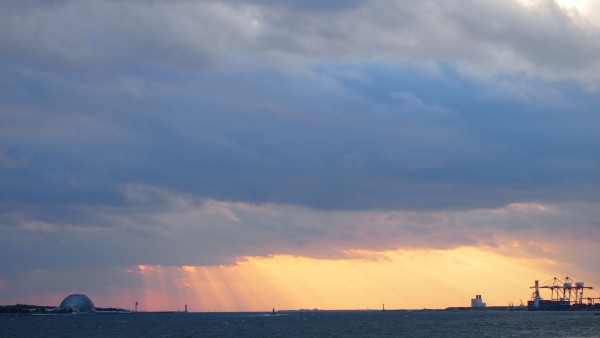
(196, 132)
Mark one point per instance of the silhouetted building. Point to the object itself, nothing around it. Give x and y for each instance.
(477, 301)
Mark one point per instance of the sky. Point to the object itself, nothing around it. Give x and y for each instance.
(243, 155)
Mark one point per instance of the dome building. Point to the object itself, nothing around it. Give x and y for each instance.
(77, 303)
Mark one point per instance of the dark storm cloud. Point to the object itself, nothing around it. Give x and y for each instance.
(299, 137)
(482, 37)
(308, 5)
(195, 132)
(71, 34)
(166, 228)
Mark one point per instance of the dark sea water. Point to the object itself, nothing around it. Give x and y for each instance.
(308, 324)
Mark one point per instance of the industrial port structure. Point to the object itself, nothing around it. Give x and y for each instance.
(565, 294)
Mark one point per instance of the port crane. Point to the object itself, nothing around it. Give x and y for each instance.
(562, 290)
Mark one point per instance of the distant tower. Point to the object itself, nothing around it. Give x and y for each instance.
(185, 307)
(136, 304)
(536, 295)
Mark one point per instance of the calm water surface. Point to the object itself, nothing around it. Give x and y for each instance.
(308, 324)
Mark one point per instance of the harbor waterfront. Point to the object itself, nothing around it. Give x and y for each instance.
(419, 323)
(77, 316)
(311, 168)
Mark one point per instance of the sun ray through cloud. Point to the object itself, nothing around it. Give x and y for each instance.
(250, 155)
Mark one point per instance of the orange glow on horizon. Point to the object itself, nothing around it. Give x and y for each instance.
(406, 279)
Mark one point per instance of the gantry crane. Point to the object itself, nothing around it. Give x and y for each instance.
(562, 290)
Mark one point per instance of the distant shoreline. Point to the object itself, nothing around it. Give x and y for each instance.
(37, 310)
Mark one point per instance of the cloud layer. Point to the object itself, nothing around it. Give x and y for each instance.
(198, 132)
(538, 37)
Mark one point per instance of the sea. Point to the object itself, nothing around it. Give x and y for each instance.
(420, 323)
